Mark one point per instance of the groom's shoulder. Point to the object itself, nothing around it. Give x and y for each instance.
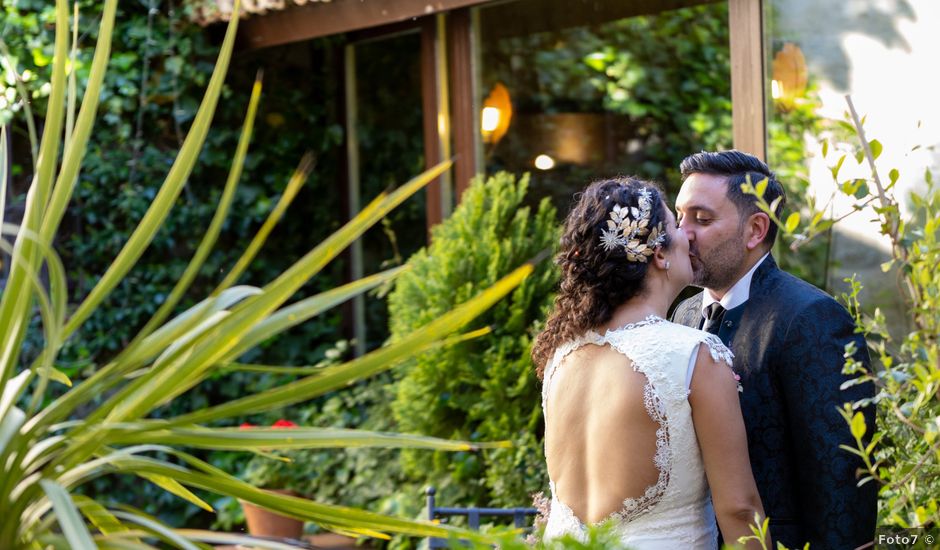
(688, 311)
(799, 295)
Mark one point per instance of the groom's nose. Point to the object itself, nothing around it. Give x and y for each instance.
(688, 231)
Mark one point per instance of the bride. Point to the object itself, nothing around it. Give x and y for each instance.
(642, 421)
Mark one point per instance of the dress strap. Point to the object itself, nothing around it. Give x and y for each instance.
(561, 352)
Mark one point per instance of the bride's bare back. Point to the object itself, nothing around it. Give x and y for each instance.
(600, 441)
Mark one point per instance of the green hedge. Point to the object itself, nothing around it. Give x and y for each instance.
(485, 389)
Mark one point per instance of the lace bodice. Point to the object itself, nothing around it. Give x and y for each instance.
(676, 509)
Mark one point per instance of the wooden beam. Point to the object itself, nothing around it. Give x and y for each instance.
(431, 82)
(464, 121)
(748, 78)
(317, 19)
(525, 17)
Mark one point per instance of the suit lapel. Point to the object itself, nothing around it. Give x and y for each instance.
(746, 317)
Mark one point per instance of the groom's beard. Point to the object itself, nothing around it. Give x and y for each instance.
(718, 268)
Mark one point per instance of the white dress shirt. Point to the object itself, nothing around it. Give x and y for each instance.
(737, 295)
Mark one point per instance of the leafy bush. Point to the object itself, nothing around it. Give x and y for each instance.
(903, 456)
(484, 389)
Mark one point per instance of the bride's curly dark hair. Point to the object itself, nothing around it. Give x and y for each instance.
(594, 282)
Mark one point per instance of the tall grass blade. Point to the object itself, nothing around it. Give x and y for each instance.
(308, 308)
(367, 365)
(214, 347)
(293, 187)
(169, 191)
(112, 374)
(18, 294)
(7, 61)
(98, 515)
(74, 529)
(77, 140)
(215, 226)
(173, 487)
(234, 539)
(238, 439)
(161, 531)
(73, 85)
(4, 170)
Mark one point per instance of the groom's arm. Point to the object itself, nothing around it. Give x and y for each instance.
(835, 511)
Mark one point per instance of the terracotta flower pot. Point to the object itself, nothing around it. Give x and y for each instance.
(266, 523)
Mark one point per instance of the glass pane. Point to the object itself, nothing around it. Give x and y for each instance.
(607, 88)
(879, 53)
(391, 151)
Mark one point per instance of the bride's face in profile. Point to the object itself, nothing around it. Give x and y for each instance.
(680, 266)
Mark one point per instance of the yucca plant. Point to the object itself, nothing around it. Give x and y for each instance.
(48, 447)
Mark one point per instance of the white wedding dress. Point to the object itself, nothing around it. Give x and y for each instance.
(676, 512)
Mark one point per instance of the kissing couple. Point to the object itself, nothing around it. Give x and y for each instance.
(674, 430)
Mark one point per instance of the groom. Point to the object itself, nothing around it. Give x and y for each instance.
(788, 339)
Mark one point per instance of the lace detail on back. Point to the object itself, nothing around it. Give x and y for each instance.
(632, 506)
(676, 511)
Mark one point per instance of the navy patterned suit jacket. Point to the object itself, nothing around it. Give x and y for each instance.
(788, 341)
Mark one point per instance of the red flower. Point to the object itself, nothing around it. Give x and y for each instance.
(283, 424)
(246, 426)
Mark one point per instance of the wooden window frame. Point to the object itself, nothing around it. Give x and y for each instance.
(748, 77)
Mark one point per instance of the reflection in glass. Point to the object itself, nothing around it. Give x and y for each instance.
(604, 88)
(391, 151)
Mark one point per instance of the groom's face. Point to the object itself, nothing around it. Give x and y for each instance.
(711, 221)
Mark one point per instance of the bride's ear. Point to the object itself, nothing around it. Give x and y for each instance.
(659, 260)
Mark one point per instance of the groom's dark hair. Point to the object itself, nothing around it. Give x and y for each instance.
(738, 168)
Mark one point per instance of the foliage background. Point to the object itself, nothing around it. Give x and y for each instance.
(159, 68)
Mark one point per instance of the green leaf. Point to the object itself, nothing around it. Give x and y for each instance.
(875, 148)
(928, 176)
(858, 426)
(166, 197)
(180, 373)
(98, 515)
(73, 527)
(161, 531)
(10, 424)
(761, 187)
(293, 187)
(171, 486)
(825, 147)
(215, 226)
(308, 308)
(861, 189)
(835, 169)
(18, 290)
(893, 175)
(238, 439)
(367, 365)
(792, 221)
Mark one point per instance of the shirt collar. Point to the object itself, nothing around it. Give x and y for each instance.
(738, 294)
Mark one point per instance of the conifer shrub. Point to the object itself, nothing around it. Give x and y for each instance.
(483, 389)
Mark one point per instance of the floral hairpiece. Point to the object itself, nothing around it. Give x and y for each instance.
(627, 224)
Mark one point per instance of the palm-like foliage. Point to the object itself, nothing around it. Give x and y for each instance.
(46, 451)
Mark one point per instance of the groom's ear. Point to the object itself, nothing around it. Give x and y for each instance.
(755, 229)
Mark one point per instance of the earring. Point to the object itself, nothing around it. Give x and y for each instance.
(667, 265)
